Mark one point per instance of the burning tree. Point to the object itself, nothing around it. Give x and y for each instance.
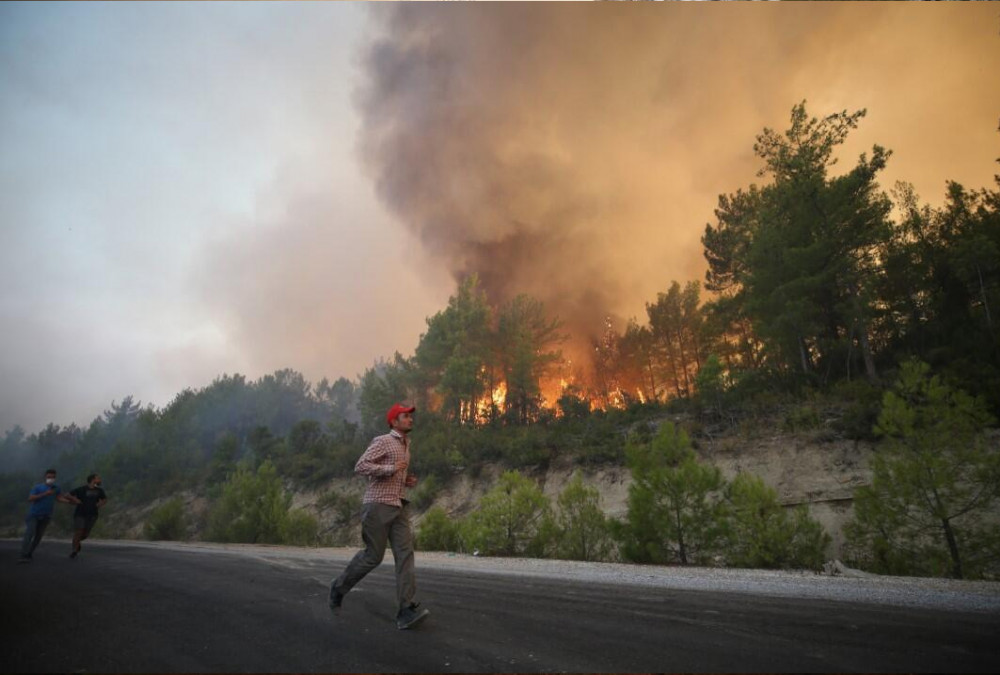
(527, 339)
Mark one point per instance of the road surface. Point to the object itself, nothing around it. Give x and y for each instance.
(140, 607)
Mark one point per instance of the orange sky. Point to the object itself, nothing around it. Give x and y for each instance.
(576, 152)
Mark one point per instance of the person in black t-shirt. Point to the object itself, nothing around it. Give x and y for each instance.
(92, 498)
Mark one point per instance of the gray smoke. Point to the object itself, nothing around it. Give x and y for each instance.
(575, 151)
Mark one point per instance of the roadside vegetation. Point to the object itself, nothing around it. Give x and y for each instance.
(832, 308)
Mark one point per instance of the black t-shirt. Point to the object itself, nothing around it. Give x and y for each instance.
(88, 497)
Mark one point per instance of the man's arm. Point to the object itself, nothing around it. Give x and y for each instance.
(35, 496)
(67, 499)
(373, 462)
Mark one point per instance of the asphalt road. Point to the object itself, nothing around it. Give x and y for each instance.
(134, 608)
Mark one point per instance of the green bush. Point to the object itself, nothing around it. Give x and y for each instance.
(254, 509)
(512, 519)
(801, 418)
(675, 512)
(425, 492)
(581, 527)
(167, 522)
(299, 528)
(438, 532)
(760, 532)
(863, 403)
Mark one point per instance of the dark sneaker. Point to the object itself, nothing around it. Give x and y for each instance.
(409, 617)
(336, 599)
(73, 554)
(23, 560)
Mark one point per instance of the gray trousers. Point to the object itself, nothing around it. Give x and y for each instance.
(34, 528)
(381, 523)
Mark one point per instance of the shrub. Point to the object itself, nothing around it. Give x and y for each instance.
(167, 522)
(427, 489)
(581, 527)
(675, 513)
(801, 418)
(438, 532)
(299, 528)
(760, 533)
(512, 519)
(253, 508)
(862, 402)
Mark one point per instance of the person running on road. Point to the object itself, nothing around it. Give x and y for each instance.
(43, 498)
(385, 515)
(91, 498)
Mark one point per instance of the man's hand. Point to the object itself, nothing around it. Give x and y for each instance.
(411, 480)
(402, 464)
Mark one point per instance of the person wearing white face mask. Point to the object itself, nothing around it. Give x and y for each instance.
(43, 498)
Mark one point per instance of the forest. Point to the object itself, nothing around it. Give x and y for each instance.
(820, 286)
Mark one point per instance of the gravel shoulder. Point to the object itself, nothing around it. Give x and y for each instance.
(846, 586)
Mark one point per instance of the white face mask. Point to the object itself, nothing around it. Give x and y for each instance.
(50, 481)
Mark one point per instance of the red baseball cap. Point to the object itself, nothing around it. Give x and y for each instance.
(395, 410)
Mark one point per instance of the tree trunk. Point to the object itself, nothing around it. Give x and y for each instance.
(684, 363)
(986, 303)
(956, 559)
(804, 356)
(866, 353)
(681, 549)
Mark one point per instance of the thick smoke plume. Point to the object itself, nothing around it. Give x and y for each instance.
(575, 152)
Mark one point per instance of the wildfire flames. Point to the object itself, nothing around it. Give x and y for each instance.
(495, 402)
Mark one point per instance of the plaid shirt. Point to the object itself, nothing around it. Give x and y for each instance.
(385, 484)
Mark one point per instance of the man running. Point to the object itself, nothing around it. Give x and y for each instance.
(43, 498)
(385, 515)
(91, 498)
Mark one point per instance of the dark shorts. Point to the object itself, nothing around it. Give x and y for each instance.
(85, 523)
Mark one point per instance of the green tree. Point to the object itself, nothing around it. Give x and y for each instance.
(800, 258)
(675, 512)
(942, 286)
(454, 356)
(583, 529)
(223, 458)
(710, 385)
(812, 261)
(726, 249)
(676, 323)
(383, 384)
(512, 519)
(760, 532)
(935, 479)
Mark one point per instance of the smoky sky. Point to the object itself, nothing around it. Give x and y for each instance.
(192, 189)
(576, 153)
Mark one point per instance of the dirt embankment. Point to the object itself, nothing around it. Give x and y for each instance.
(804, 468)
